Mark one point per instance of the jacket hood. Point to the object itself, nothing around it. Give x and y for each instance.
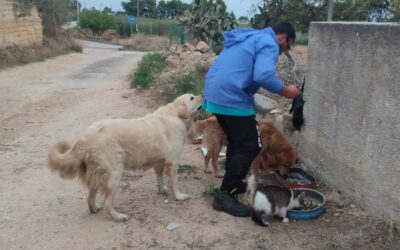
(236, 36)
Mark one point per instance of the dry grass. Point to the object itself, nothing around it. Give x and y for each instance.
(146, 42)
(299, 49)
(16, 55)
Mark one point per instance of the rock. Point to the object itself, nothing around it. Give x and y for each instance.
(336, 198)
(172, 226)
(263, 104)
(126, 95)
(188, 47)
(202, 47)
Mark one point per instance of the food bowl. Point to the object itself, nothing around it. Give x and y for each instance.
(296, 178)
(197, 140)
(314, 197)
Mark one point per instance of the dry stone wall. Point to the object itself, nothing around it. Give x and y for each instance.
(21, 31)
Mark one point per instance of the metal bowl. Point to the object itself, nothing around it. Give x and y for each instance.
(311, 213)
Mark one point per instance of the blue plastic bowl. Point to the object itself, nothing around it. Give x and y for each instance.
(312, 213)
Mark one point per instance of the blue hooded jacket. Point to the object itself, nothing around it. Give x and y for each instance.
(246, 63)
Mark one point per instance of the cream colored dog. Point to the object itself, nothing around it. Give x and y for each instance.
(108, 147)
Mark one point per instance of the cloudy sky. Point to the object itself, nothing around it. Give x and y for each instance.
(239, 7)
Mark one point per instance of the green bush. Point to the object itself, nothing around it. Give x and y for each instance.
(151, 64)
(96, 21)
(301, 38)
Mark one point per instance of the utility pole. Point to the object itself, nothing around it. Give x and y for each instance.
(330, 10)
(137, 15)
(77, 10)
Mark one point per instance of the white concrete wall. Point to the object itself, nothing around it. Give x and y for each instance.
(352, 112)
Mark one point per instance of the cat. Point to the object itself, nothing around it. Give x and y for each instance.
(265, 200)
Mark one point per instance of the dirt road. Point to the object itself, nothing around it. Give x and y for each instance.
(44, 102)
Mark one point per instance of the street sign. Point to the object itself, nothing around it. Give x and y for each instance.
(131, 19)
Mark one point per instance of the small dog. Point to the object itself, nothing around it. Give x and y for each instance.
(276, 149)
(101, 154)
(214, 140)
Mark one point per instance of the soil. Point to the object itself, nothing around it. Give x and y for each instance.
(44, 102)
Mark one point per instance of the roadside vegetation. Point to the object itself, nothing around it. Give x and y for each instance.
(150, 65)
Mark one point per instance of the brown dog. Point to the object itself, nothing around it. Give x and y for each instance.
(214, 140)
(276, 149)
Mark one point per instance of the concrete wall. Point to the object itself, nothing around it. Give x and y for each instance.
(23, 31)
(352, 112)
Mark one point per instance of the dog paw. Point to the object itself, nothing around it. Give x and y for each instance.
(163, 190)
(121, 217)
(181, 196)
(218, 175)
(285, 220)
(207, 171)
(94, 210)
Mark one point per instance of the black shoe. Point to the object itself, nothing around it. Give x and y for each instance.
(223, 201)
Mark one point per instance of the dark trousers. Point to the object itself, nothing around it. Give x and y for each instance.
(242, 135)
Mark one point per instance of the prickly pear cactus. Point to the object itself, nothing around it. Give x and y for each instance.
(206, 20)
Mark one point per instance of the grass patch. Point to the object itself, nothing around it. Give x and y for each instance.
(187, 83)
(186, 169)
(151, 64)
(210, 191)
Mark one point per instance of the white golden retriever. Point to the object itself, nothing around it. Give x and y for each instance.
(108, 147)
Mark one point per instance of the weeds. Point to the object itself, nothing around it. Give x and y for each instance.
(210, 191)
(76, 48)
(151, 64)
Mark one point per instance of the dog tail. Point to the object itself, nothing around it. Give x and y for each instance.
(68, 162)
(251, 188)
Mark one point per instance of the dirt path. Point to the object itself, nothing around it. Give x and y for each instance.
(43, 102)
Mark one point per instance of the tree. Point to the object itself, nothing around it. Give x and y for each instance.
(302, 12)
(96, 21)
(147, 8)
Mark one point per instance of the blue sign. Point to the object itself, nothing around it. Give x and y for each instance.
(131, 19)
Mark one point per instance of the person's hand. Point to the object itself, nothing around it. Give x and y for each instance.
(290, 91)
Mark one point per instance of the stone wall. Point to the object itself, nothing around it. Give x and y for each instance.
(352, 112)
(22, 31)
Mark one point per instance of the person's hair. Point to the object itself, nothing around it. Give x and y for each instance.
(284, 28)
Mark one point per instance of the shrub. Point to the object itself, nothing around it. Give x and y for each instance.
(151, 64)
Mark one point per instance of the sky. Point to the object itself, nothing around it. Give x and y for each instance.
(239, 7)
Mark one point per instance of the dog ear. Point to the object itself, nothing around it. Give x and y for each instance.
(183, 111)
